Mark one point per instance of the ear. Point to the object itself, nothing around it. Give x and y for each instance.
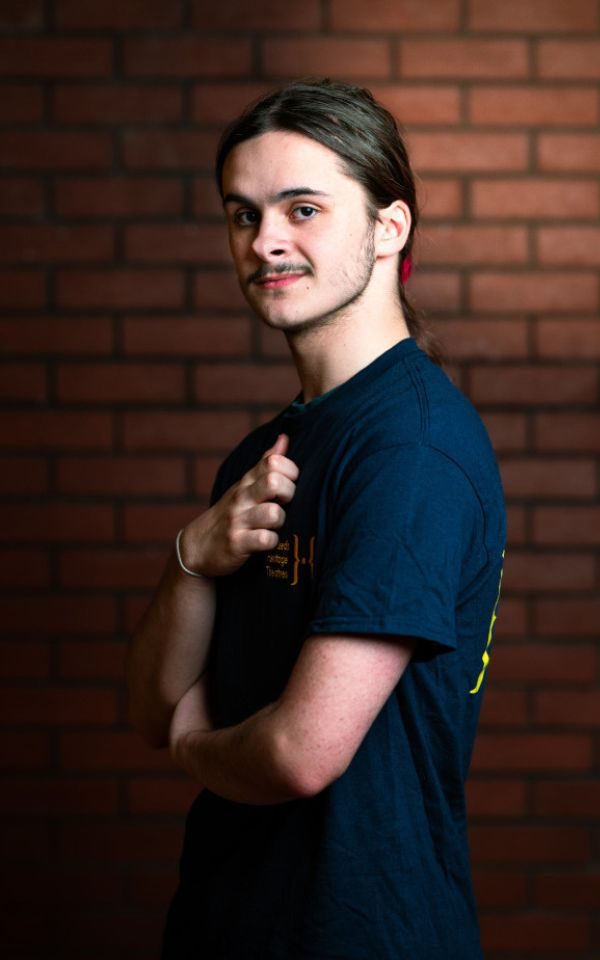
(392, 229)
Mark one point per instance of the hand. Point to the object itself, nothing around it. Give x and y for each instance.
(191, 714)
(245, 520)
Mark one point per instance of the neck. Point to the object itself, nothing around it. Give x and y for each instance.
(329, 354)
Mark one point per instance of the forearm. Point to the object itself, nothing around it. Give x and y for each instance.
(169, 649)
(245, 763)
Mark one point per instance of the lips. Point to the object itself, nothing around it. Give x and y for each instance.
(278, 280)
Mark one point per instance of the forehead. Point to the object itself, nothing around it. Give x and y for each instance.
(278, 160)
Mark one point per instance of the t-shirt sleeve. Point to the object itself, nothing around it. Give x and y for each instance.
(403, 522)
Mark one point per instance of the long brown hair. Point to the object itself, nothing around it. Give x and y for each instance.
(348, 120)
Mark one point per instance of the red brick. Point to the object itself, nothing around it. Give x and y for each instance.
(56, 335)
(184, 430)
(187, 336)
(504, 708)
(567, 432)
(172, 150)
(580, 708)
(111, 932)
(187, 57)
(20, 198)
(117, 104)
(206, 199)
(21, 104)
(568, 338)
(240, 383)
(22, 841)
(500, 889)
(530, 385)
(103, 660)
(569, 526)
(114, 750)
(23, 381)
(117, 14)
(516, 292)
(468, 58)
(508, 431)
(472, 245)
(537, 106)
(569, 152)
(529, 845)
(59, 886)
(176, 243)
(468, 152)
(565, 890)
(24, 660)
(58, 614)
(23, 290)
(52, 522)
(496, 798)
(567, 935)
(118, 197)
(484, 339)
(55, 57)
(435, 290)
(153, 888)
(25, 934)
(272, 343)
(111, 568)
(548, 477)
(218, 290)
(532, 752)
(380, 16)
(525, 198)
(120, 383)
(549, 571)
(120, 289)
(24, 568)
(156, 524)
(49, 429)
(121, 475)
(54, 149)
(334, 56)
(544, 663)
(420, 105)
(217, 103)
(150, 796)
(21, 14)
(535, 16)
(118, 842)
(512, 621)
(49, 244)
(569, 59)
(24, 751)
(569, 246)
(266, 15)
(23, 475)
(579, 618)
(205, 470)
(439, 197)
(58, 706)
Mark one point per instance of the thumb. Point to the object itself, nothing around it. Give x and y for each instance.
(280, 446)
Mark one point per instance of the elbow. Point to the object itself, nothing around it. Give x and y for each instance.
(304, 772)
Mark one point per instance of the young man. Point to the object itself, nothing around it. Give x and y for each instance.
(316, 651)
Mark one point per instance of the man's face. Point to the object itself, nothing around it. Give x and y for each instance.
(299, 231)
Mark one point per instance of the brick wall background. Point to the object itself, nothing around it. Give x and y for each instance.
(129, 366)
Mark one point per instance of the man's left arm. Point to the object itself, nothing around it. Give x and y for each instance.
(304, 741)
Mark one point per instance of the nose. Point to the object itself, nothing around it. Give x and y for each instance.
(271, 240)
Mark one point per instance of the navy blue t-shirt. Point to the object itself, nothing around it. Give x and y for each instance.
(397, 528)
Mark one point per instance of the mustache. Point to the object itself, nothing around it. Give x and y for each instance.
(277, 270)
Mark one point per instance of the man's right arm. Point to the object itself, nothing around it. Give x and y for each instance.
(169, 649)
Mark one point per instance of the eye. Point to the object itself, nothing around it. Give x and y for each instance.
(304, 212)
(245, 218)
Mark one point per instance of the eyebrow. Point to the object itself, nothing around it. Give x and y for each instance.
(277, 197)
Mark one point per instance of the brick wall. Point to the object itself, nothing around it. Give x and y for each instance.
(130, 365)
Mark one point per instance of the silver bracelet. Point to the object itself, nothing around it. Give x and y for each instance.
(185, 569)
